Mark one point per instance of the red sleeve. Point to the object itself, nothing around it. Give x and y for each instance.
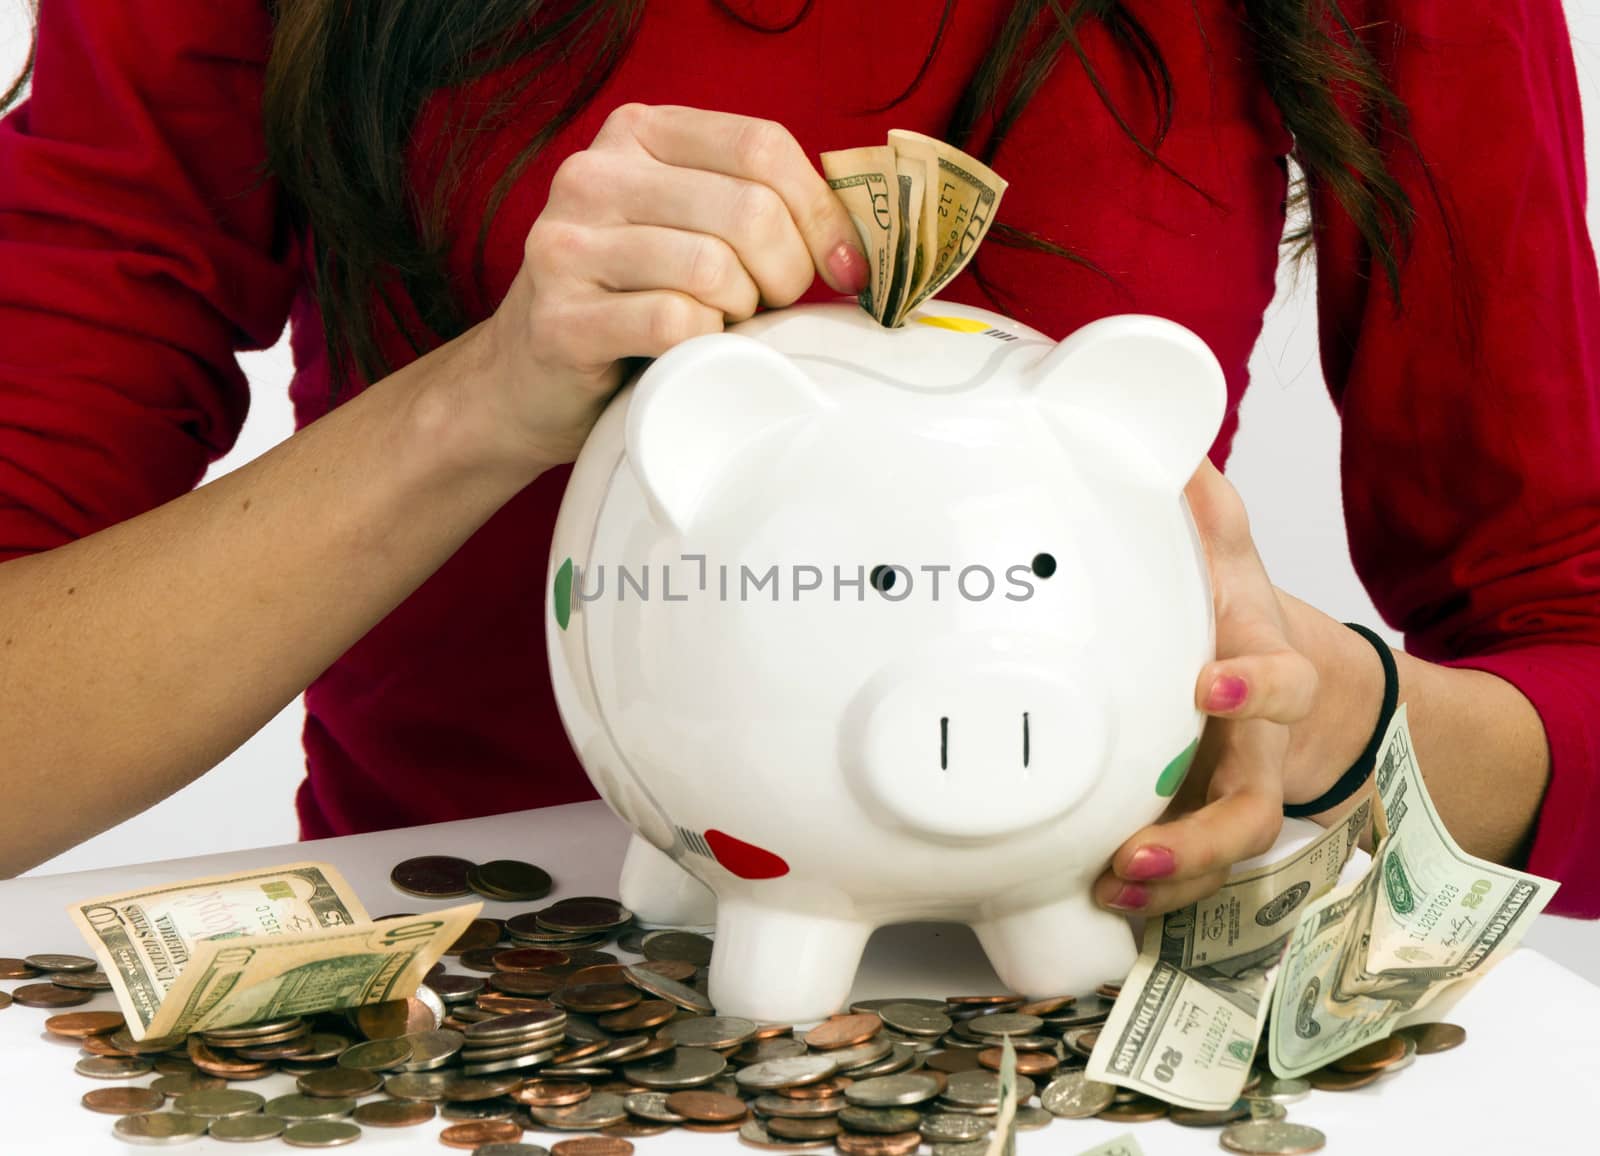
(137, 254)
(1470, 456)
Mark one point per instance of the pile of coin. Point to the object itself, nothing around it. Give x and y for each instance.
(450, 877)
(537, 1029)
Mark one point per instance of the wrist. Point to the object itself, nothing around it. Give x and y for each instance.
(1349, 700)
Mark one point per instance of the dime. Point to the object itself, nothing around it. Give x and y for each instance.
(681, 945)
(897, 1091)
(1272, 1138)
(787, 1072)
(112, 1067)
(509, 880)
(392, 1114)
(954, 1128)
(151, 1128)
(338, 1083)
(1433, 1038)
(432, 876)
(455, 989)
(247, 1129)
(47, 962)
(1209, 1118)
(1280, 1091)
(122, 1101)
(222, 1102)
(709, 1107)
(321, 1134)
(1076, 1097)
(375, 1055)
(48, 995)
(77, 1025)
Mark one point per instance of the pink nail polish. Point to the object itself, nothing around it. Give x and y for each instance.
(1227, 693)
(1131, 897)
(1150, 863)
(847, 265)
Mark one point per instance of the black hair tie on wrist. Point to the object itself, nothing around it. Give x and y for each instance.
(1361, 770)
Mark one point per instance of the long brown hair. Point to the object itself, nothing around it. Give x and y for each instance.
(344, 84)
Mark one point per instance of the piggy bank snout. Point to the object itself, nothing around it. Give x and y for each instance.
(976, 745)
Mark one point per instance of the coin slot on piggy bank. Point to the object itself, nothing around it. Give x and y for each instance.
(923, 617)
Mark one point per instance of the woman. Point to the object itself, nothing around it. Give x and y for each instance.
(646, 173)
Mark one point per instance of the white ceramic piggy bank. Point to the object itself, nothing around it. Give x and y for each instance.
(858, 626)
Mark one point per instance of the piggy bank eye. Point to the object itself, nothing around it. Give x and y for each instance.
(1044, 565)
(882, 578)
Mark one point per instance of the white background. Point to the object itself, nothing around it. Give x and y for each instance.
(1285, 464)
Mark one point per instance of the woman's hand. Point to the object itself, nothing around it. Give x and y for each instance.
(1230, 807)
(672, 223)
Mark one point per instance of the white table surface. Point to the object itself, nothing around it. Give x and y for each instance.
(1527, 1080)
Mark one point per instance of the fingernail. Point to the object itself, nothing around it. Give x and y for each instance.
(1227, 693)
(847, 265)
(1150, 863)
(1131, 897)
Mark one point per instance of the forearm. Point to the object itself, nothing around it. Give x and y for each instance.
(1479, 741)
(135, 659)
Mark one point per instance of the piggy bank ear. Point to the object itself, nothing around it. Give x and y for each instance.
(1144, 389)
(704, 403)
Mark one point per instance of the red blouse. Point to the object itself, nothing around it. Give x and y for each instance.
(137, 255)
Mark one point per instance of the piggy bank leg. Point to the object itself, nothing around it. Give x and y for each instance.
(658, 891)
(1060, 948)
(777, 966)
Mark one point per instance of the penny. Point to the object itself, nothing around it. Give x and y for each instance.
(76, 1025)
(1334, 1079)
(5, 999)
(1028, 1063)
(790, 1128)
(592, 1146)
(647, 1014)
(844, 1031)
(222, 1102)
(529, 958)
(101, 1046)
(49, 995)
(680, 970)
(479, 959)
(392, 1114)
(777, 1104)
(321, 1134)
(980, 1001)
(16, 969)
(509, 880)
(551, 1093)
(680, 945)
(432, 876)
(1136, 1110)
(1209, 1117)
(162, 1128)
(1047, 1006)
(594, 998)
(511, 1148)
(478, 934)
(375, 1055)
(596, 973)
(865, 1144)
(49, 962)
(585, 913)
(122, 1101)
(954, 1061)
(96, 980)
(710, 1107)
(753, 1133)
(787, 1072)
(396, 1017)
(1272, 1138)
(1377, 1055)
(111, 1067)
(247, 1129)
(523, 983)
(339, 1083)
(1434, 1038)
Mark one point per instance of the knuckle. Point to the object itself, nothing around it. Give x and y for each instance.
(575, 175)
(670, 321)
(557, 245)
(708, 267)
(760, 146)
(629, 118)
(758, 211)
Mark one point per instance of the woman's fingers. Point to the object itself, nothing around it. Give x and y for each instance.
(1280, 686)
(758, 152)
(630, 258)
